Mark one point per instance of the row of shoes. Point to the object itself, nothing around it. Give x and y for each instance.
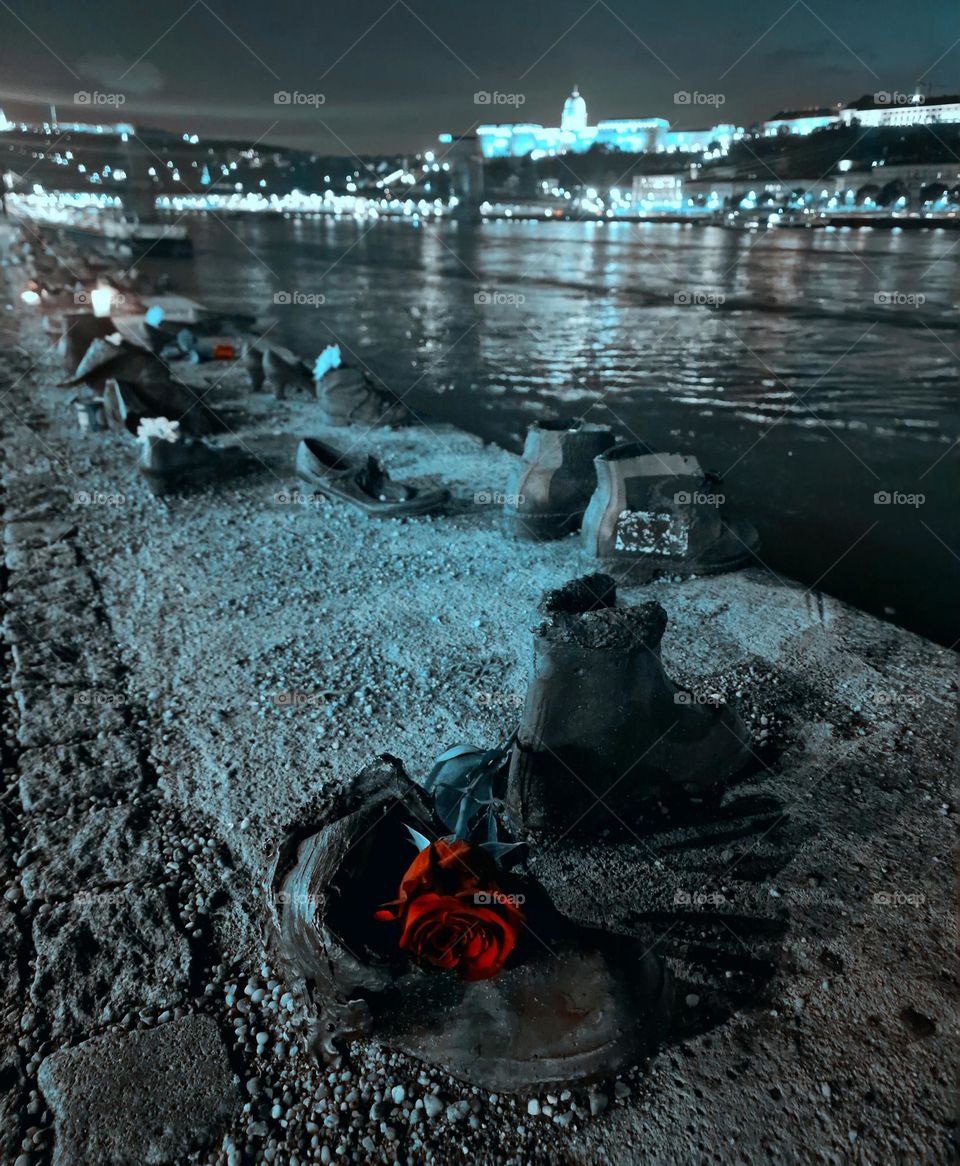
(637, 509)
(346, 394)
(134, 392)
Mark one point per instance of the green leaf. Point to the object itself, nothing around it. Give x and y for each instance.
(462, 785)
(498, 849)
(419, 840)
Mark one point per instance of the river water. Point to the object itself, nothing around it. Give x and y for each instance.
(767, 355)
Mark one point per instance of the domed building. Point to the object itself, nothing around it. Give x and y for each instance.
(574, 116)
(573, 135)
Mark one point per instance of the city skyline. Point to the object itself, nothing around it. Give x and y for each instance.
(391, 76)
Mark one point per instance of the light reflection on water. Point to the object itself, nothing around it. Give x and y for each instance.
(783, 372)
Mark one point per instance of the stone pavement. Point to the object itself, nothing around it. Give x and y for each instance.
(103, 934)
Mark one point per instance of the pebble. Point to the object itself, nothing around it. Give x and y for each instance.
(432, 1105)
(598, 1103)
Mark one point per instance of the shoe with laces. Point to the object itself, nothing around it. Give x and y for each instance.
(362, 481)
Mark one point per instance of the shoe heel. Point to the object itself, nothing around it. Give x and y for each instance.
(541, 527)
(158, 486)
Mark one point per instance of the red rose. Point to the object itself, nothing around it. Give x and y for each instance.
(452, 912)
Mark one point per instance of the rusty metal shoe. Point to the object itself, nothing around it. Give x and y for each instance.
(347, 396)
(80, 329)
(659, 513)
(104, 361)
(605, 733)
(284, 371)
(549, 491)
(571, 1004)
(176, 467)
(253, 363)
(363, 482)
(126, 404)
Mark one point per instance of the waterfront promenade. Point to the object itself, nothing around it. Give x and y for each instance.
(185, 676)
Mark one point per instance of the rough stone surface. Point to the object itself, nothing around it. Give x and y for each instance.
(58, 777)
(60, 715)
(141, 1099)
(105, 954)
(37, 533)
(39, 560)
(63, 663)
(102, 849)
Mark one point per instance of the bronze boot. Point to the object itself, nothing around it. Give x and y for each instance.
(549, 491)
(604, 730)
(659, 513)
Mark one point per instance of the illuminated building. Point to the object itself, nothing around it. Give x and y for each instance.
(899, 109)
(663, 192)
(800, 121)
(880, 110)
(575, 135)
(698, 141)
(574, 116)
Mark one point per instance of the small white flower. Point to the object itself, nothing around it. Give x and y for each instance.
(161, 427)
(328, 359)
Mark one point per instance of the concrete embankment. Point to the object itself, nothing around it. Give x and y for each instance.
(186, 674)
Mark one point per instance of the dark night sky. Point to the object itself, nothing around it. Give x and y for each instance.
(394, 73)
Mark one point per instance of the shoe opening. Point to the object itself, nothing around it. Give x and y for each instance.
(584, 613)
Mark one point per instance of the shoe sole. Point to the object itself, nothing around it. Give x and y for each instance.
(531, 1074)
(426, 505)
(163, 484)
(743, 534)
(541, 527)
